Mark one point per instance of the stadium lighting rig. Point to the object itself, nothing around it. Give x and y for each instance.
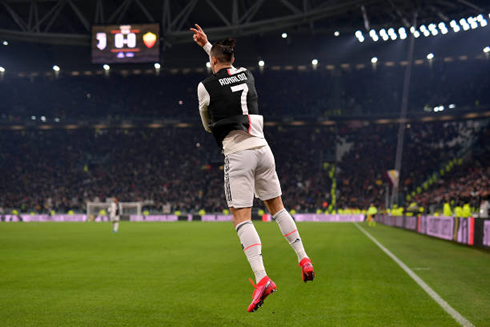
(432, 29)
(261, 63)
(106, 67)
(2, 70)
(284, 35)
(157, 65)
(56, 68)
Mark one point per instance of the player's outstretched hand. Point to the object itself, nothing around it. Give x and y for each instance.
(199, 35)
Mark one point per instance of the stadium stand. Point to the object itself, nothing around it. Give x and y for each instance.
(181, 168)
(286, 93)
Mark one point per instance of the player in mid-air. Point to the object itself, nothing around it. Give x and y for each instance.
(114, 213)
(229, 110)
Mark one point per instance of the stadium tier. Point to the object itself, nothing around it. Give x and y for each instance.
(181, 168)
(309, 94)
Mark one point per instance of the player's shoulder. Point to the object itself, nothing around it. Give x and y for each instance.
(208, 80)
(238, 70)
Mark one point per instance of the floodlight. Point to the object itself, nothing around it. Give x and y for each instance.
(106, 67)
(336, 33)
(486, 50)
(374, 60)
(2, 70)
(314, 62)
(261, 63)
(56, 68)
(284, 35)
(157, 65)
(430, 56)
(208, 64)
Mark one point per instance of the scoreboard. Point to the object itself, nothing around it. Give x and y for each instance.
(125, 43)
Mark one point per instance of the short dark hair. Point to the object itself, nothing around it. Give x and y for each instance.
(223, 50)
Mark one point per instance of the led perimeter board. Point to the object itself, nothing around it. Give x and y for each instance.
(125, 43)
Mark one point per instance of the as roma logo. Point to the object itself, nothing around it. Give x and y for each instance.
(149, 39)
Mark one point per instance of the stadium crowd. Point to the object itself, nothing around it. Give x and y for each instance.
(286, 93)
(181, 168)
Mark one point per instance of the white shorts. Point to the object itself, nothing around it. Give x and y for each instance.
(114, 219)
(248, 172)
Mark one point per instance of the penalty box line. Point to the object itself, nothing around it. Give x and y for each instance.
(436, 297)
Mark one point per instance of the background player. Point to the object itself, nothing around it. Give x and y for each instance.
(229, 110)
(114, 213)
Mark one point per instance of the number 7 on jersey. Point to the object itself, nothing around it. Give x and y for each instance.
(243, 99)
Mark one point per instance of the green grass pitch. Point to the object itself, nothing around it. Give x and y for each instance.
(195, 274)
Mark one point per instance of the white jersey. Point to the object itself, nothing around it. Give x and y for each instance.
(114, 211)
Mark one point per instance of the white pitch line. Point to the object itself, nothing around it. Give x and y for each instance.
(449, 309)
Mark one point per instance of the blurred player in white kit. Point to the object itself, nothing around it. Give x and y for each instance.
(114, 215)
(229, 110)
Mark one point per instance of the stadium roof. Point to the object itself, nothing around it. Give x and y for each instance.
(69, 21)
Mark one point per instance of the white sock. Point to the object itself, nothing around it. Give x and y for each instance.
(252, 247)
(290, 232)
(115, 227)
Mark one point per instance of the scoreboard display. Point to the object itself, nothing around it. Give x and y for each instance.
(125, 43)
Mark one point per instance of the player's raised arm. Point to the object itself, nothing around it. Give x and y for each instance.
(201, 38)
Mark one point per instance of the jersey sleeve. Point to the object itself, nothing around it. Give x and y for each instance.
(204, 99)
(207, 47)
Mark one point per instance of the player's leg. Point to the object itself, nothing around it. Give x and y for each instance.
(268, 189)
(239, 188)
(115, 224)
(250, 240)
(286, 225)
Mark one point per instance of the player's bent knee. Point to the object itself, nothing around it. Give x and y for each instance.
(241, 214)
(274, 205)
